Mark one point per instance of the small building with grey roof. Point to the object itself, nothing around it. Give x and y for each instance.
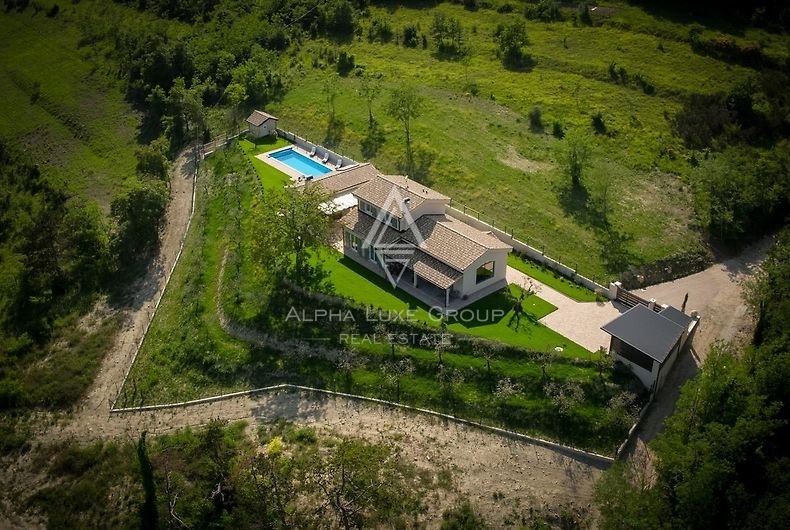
(648, 341)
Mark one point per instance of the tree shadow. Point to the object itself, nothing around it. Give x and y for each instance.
(371, 143)
(614, 249)
(576, 202)
(335, 130)
(422, 160)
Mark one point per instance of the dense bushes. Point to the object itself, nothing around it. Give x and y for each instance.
(740, 195)
(447, 35)
(511, 40)
(545, 10)
(53, 250)
(139, 214)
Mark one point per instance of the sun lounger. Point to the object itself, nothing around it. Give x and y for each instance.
(339, 163)
(326, 157)
(312, 153)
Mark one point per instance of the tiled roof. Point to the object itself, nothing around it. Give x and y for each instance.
(259, 117)
(433, 270)
(449, 241)
(445, 241)
(378, 191)
(362, 224)
(343, 180)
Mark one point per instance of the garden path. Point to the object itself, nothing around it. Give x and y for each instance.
(579, 321)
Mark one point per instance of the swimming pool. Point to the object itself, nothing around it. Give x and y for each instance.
(300, 163)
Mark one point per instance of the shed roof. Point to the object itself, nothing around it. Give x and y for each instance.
(258, 117)
(649, 332)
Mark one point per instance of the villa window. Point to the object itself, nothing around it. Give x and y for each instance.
(393, 222)
(355, 242)
(485, 271)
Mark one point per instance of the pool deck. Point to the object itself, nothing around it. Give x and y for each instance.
(295, 175)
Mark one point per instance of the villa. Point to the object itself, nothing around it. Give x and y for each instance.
(401, 230)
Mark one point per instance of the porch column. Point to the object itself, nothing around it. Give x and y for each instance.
(415, 278)
(447, 297)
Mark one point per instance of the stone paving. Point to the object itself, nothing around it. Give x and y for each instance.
(579, 321)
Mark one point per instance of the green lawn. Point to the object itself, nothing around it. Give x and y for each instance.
(270, 177)
(354, 281)
(551, 279)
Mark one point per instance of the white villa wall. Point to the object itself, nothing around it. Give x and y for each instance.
(468, 283)
(428, 207)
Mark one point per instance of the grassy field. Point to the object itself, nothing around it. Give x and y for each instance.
(551, 279)
(68, 114)
(187, 354)
(481, 150)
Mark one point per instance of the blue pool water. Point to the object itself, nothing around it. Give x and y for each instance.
(300, 163)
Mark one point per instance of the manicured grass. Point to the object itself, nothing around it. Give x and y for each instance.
(551, 279)
(270, 177)
(354, 281)
(62, 107)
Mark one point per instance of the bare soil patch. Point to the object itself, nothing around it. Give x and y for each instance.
(513, 159)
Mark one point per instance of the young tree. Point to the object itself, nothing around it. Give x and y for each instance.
(394, 371)
(604, 362)
(511, 40)
(382, 332)
(289, 225)
(406, 104)
(139, 214)
(505, 388)
(369, 88)
(152, 160)
(576, 155)
(235, 95)
(488, 353)
(330, 89)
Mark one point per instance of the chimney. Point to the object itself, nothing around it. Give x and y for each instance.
(406, 203)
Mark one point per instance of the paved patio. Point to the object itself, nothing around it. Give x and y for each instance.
(579, 321)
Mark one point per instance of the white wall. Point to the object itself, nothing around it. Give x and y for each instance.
(668, 362)
(429, 207)
(469, 283)
(265, 129)
(647, 377)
